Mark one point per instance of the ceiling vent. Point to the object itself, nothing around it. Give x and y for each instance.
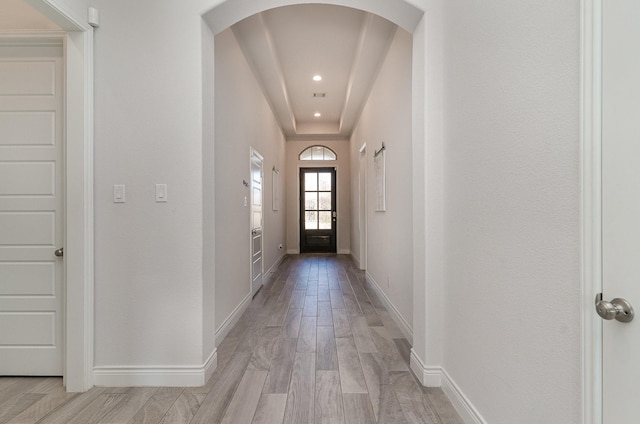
(319, 94)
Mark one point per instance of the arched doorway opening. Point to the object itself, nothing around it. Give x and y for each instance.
(426, 132)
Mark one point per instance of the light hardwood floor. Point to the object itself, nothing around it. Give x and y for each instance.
(315, 346)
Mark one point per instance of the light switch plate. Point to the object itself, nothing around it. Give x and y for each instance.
(119, 195)
(161, 193)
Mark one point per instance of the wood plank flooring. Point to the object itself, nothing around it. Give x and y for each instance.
(315, 346)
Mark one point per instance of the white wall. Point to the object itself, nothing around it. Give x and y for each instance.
(208, 191)
(428, 195)
(343, 175)
(510, 188)
(75, 8)
(243, 119)
(387, 118)
(152, 278)
(148, 130)
(512, 208)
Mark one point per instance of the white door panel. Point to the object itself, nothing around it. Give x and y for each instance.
(29, 77)
(621, 205)
(27, 128)
(31, 212)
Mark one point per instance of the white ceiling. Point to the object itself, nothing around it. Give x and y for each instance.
(287, 46)
(18, 14)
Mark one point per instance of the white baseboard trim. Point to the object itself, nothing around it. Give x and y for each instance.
(275, 265)
(232, 319)
(429, 376)
(463, 405)
(393, 311)
(293, 252)
(355, 261)
(344, 252)
(165, 376)
(210, 365)
(436, 376)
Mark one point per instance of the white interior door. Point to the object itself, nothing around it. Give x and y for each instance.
(256, 221)
(621, 206)
(31, 209)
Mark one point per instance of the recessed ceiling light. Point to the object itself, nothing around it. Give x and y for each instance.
(317, 78)
(317, 114)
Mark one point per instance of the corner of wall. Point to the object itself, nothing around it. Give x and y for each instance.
(164, 376)
(436, 376)
(429, 376)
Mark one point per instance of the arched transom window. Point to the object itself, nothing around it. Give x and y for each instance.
(318, 153)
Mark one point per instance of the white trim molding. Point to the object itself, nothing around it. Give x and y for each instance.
(79, 212)
(591, 207)
(232, 319)
(436, 376)
(166, 376)
(275, 266)
(391, 308)
(429, 376)
(210, 365)
(463, 405)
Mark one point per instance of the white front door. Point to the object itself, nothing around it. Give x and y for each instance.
(256, 221)
(621, 206)
(31, 212)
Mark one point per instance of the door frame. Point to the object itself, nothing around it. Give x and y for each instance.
(77, 36)
(334, 204)
(426, 136)
(591, 199)
(254, 153)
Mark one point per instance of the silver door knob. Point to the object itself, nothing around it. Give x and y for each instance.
(619, 309)
(59, 252)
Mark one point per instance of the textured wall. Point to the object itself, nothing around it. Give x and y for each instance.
(512, 207)
(387, 118)
(148, 130)
(243, 120)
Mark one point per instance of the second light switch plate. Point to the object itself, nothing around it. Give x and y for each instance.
(161, 193)
(119, 194)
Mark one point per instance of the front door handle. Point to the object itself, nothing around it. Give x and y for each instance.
(59, 252)
(619, 309)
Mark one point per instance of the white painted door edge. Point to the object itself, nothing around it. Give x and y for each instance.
(591, 216)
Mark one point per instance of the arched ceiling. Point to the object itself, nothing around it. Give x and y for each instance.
(287, 46)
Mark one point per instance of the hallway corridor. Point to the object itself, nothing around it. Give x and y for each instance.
(316, 345)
